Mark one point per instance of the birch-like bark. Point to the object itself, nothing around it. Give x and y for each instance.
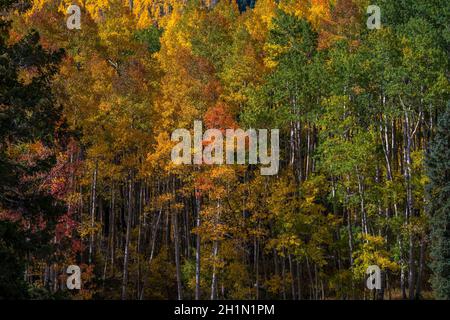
(177, 247)
(127, 241)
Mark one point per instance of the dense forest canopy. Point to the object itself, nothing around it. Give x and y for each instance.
(86, 177)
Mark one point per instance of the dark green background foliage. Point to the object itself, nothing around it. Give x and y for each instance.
(438, 165)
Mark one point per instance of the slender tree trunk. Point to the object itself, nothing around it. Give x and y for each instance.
(409, 201)
(350, 236)
(291, 269)
(94, 195)
(402, 271)
(176, 244)
(308, 148)
(112, 228)
(214, 274)
(139, 243)
(283, 275)
(299, 281)
(256, 262)
(127, 240)
(177, 254)
(152, 250)
(362, 204)
(197, 253)
(421, 267)
(311, 281)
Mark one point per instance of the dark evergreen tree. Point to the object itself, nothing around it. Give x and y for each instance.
(438, 165)
(28, 113)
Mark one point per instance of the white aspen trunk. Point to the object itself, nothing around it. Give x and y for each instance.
(214, 274)
(177, 248)
(127, 242)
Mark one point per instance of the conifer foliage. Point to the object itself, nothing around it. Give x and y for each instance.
(438, 167)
